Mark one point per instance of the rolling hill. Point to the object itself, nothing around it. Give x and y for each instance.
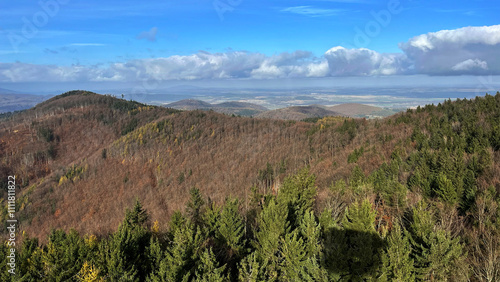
(233, 107)
(298, 113)
(360, 110)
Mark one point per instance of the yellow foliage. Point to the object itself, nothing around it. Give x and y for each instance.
(156, 227)
(91, 241)
(88, 273)
(62, 180)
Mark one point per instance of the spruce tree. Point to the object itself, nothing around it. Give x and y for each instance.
(364, 243)
(444, 189)
(437, 255)
(396, 258)
(208, 269)
(230, 229)
(195, 205)
(297, 194)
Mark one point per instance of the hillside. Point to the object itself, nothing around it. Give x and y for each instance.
(237, 194)
(230, 108)
(298, 113)
(360, 110)
(189, 105)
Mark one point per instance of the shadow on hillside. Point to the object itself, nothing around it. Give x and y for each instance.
(353, 255)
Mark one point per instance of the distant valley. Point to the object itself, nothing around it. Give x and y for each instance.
(11, 101)
(287, 113)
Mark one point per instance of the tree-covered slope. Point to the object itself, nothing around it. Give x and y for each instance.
(412, 196)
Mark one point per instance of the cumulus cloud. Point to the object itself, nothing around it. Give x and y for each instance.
(344, 62)
(470, 65)
(468, 50)
(202, 65)
(22, 72)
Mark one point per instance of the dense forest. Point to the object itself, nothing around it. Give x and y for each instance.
(114, 190)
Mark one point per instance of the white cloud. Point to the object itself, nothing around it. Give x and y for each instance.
(344, 62)
(470, 65)
(202, 65)
(465, 51)
(312, 11)
(468, 50)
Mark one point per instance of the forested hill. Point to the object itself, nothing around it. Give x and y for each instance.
(410, 197)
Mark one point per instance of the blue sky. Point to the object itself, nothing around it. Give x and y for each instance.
(115, 41)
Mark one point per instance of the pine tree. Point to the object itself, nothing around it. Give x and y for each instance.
(126, 250)
(250, 270)
(195, 205)
(357, 178)
(63, 256)
(444, 189)
(310, 231)
(296, 265)
(470, 190)
(396, 258)
(181, 255)
(297, 194)
(208, 270)
(436, 254)
(230, 229)
(363, 242)
(30, 257)
(272, 226)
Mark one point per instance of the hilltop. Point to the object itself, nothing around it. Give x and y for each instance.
(298, 113)
(233, 107)
(360, 110)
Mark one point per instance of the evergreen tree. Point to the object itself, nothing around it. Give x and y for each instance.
(30, 265)
(357, 178)
(250, 269)
(63, 256)
(297, 194)
(272, 226)
(310, 231)
(195, 205)
(470, 190)
(208, 270)
(396, 258)
(230, 229)
(126, 251)
(444, 189)
(364, 243)
(436, 254)
(181, 256)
